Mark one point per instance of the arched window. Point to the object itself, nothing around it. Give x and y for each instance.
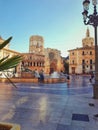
(90, 61)
(83, 61)
(90, 52)
(83, 53)
(73, 62)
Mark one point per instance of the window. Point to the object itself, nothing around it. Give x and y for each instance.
(91, 67)
(90, 52)
(72, 53)
(90, 61)
(83, 67)
(91, 43)
(83, 61)
(30, 57)
(83, 53)
(51, 55)
(31, 64)
(73, 62)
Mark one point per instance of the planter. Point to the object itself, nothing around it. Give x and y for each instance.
(9, 126)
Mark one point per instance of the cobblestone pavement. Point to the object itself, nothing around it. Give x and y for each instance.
(59, 106)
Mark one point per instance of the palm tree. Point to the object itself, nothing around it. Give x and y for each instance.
(6, 62)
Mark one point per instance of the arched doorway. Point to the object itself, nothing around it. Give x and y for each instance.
(53, 67)
(73, 70)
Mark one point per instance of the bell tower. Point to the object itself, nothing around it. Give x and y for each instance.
(36, 44)
(87, 33)
(88, 41)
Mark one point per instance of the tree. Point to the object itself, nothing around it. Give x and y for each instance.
(8, 62)
(66, 66)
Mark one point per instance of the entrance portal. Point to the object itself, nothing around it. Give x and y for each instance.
(73, 70)
(53, 67)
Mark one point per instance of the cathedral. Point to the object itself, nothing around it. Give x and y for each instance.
(41, 58)
(38, 57)
(82, 60)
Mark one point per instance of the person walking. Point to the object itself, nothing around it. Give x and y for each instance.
(37, 75)
(91, 77)
(41, 76)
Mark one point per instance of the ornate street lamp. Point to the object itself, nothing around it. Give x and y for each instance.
(92, 19)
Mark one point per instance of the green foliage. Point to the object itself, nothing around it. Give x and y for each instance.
(5, 43)
(6, 62)
(66, 66)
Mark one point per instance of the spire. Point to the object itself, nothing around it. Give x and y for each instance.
(87, 33)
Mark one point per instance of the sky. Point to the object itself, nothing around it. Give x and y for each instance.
(59, 22)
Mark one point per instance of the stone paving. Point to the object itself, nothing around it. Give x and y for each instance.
(59, 106)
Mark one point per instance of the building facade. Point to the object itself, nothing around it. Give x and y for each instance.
(8, 52)
(35, 58)
(82, 60)
(38, 57)
(53, 61)
(36, 45)
(33, 61)
(41, 58)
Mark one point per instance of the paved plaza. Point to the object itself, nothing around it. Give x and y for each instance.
(59, 106)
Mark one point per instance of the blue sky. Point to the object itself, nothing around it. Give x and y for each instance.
(60, 23)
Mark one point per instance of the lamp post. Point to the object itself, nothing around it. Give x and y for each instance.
(92, 19)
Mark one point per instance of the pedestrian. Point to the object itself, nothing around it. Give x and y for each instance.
(37, 75)
(41, 76)
(91, 77)
(68, 78)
